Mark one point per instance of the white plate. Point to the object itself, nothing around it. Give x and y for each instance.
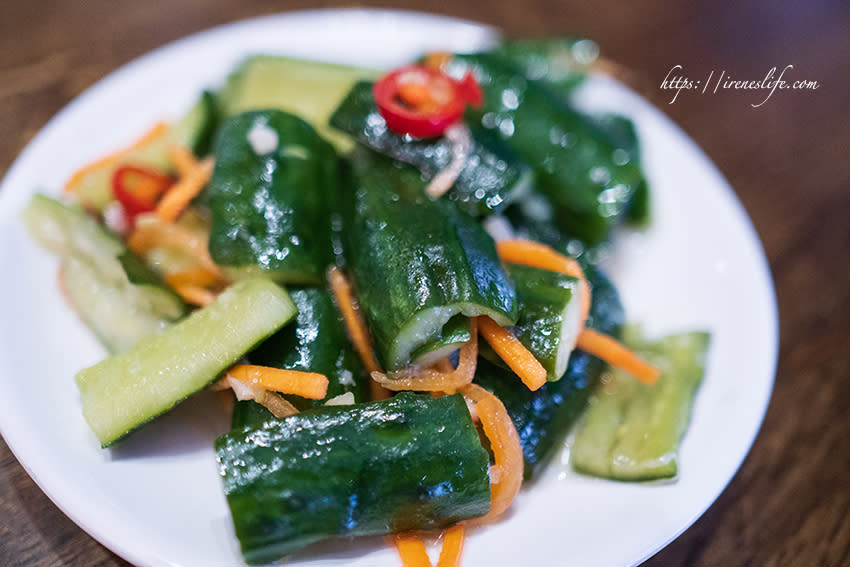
(157, 500)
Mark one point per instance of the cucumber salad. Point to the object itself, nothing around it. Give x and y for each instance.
(392, 274)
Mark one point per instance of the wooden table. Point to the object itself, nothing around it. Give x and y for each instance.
(788, 160)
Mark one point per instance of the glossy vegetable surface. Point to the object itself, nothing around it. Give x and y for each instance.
(407, 463)
(315, 342)
(549, 316)
(417, 262)
(574, 159)
(493, 175)
(632, 430)
(543, 418)
(271, 196)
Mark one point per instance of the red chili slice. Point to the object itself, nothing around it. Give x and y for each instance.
(423, 101)
(138, 189)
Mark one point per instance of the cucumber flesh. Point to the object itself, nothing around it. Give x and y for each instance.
(309, 89)
(124, 391)
(632, 430)
(549, 316)
(454, 334)
(109, 287)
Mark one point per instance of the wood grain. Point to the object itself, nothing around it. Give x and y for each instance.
(789, 505)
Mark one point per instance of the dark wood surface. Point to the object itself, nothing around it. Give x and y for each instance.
(789, 505)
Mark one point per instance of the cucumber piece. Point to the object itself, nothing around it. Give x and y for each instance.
(196, 129)
(574, 160)
(411, 462)
(316, 342)
(562, 62)
(543, 418)
(94, 189)
(309, 89)
(416, 262)
(110, 288)
(632, 430)
(454, 334)
(492, 177)
(622, 131)
(271, 197)
(549, 316)
(126, 390)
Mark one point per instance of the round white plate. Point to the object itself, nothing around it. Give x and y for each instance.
(157, 500)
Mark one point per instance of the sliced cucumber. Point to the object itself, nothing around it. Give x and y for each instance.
(93, 189)
(632, 431)
(112, 290)
(124, 391)
(549, 316)
(309, 89)
(454, 334)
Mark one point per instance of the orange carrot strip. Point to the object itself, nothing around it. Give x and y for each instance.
(614, 353)
(537, 255)
(194, 294)
(357, 330)
(305, 384)
(201, 277)
(515, 355)
(183, 159)
(412, 550)
(506, 472)
(159, 129)
(152, 233)
(178, 197)
(429, 379)
(453, 539)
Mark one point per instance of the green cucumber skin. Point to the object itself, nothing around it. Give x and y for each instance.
(271, 212)
(562, 62)
(114, 293)
(544, 417)
(411, 462)
(416, 262)
(543, 298)
(622, 131)
(492, 177)
(126, 390)
(315, 342)
(572, 157)
(632, 431)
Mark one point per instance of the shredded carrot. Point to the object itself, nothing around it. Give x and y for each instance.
(515, 355)
(201, 277)
(412, 550)
(357, 330)
(431, 380)
(614, 353)
(537, 255)
(182, 158)
(159, 129)
(178, 197)
(305, 384)
(194, 294)
(152, 233)
(506, 472)
(453, 539)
